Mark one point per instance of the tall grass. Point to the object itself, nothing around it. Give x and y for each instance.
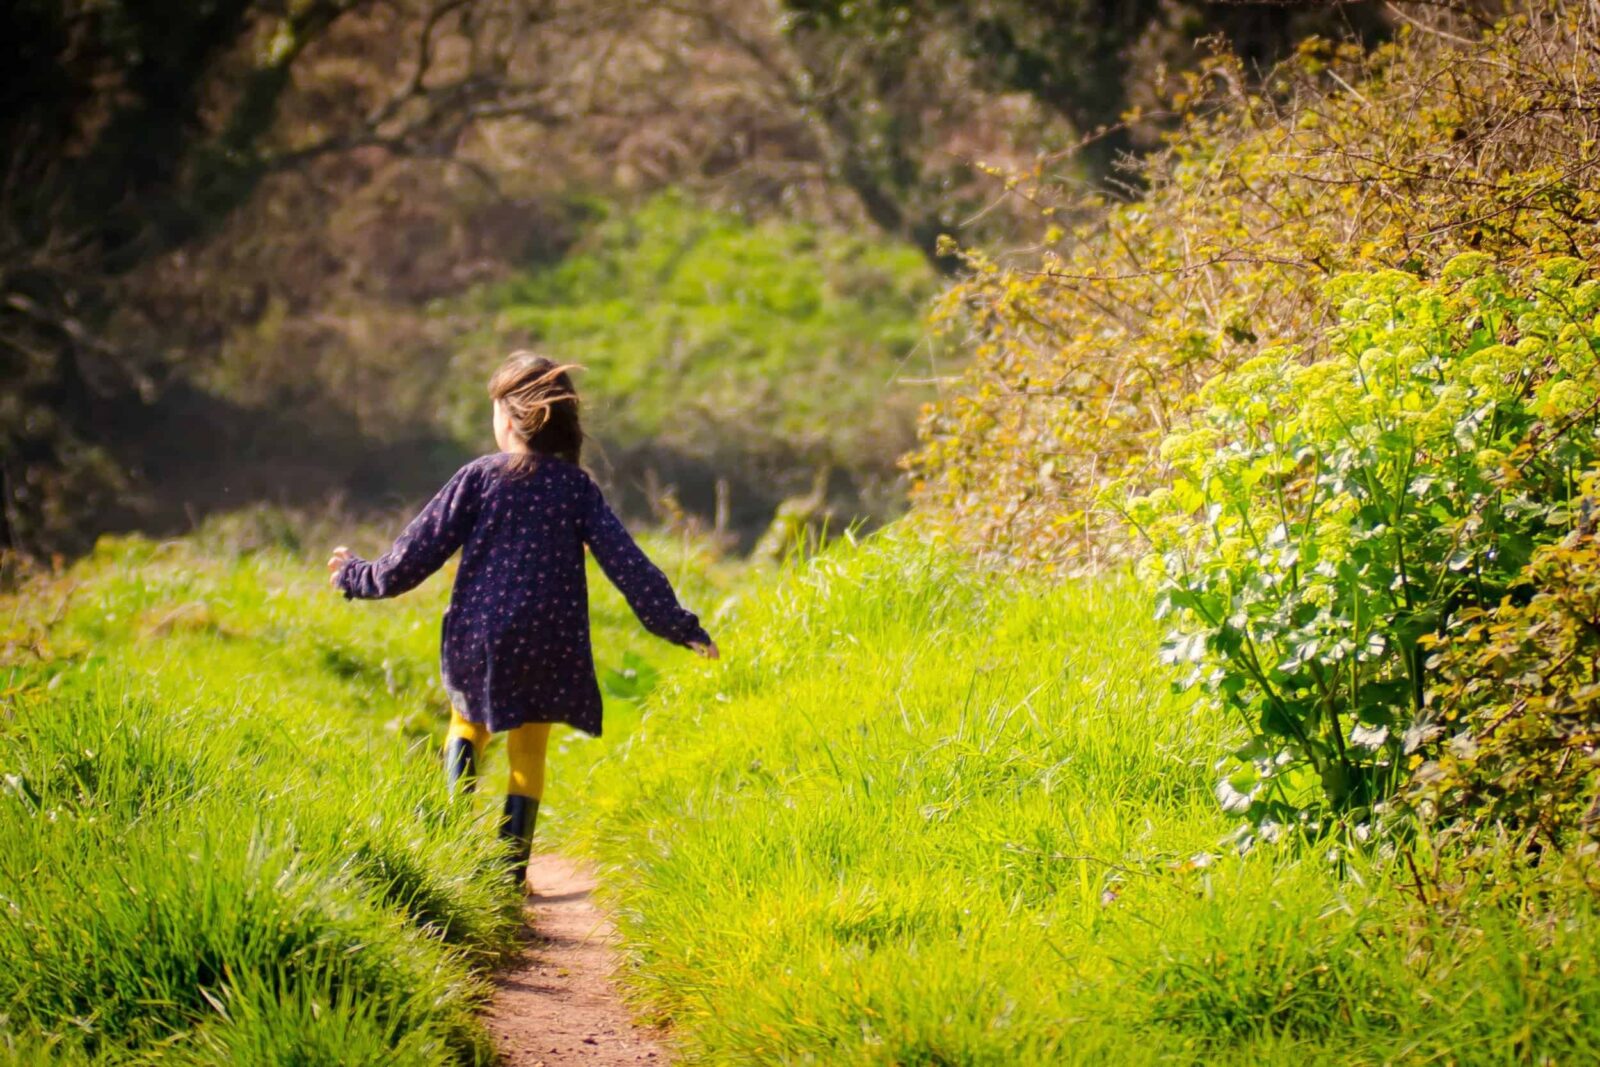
(223, 833)
(918, 815)
(927, 816)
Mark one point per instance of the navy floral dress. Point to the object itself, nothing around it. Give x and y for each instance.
(516, 635)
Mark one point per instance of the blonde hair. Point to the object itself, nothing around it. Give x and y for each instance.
(543, 405)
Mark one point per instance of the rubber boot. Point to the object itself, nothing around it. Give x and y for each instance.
(460, 765)
(516, 829)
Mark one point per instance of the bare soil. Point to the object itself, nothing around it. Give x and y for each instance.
(558, 1004)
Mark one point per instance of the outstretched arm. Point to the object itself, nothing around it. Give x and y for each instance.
(430, 539)
(640, 581)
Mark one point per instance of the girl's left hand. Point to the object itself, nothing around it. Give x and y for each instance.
(336, 562)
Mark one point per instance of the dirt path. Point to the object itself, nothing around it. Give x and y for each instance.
(558, 1006)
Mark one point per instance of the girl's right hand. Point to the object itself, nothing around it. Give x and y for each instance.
(336, 562)
(708, 650)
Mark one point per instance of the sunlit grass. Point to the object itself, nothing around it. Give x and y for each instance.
(224, 837)
(919, 814)
(925, 815)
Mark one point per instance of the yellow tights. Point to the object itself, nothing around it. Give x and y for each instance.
(525, 750)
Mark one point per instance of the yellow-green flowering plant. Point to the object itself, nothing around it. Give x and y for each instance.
(1328, 510)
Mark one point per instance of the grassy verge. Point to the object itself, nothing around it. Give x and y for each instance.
(923, 816)
(223, 834)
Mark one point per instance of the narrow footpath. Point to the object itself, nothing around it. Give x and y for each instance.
(557, 1005)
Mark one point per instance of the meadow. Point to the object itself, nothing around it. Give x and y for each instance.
(223, 832)
(921, 814)
(717, 346)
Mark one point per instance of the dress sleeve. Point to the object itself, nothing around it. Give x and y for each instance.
(430, 539)
(641, 582)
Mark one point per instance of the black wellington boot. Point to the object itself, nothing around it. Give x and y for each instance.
(516, 829)
(460, 765)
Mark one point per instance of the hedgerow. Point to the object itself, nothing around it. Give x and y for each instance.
(1515, 705)
(1461, 135)
(1337, 365)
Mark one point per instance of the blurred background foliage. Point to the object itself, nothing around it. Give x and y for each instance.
(245, 243)
(727, 350)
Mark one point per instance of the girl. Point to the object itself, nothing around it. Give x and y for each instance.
(515, 655)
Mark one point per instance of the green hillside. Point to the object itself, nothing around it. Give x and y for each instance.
(716, 347)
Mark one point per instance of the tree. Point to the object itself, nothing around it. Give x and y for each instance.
(132, 129)
(1084, 59)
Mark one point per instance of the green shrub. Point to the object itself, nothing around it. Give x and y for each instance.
(1329, 511)
(1517, 703)
(1458, 136)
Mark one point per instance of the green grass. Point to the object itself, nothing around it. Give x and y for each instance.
(927, 816)
(920, 814)
(224, 836)
(707, 334)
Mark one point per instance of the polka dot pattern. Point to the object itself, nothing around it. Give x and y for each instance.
(515, 642)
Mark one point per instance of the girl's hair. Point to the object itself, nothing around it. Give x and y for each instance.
(538, 395)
